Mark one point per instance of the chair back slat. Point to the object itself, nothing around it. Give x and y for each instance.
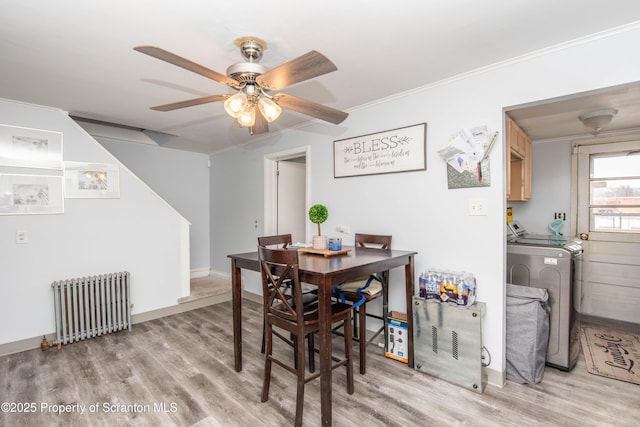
(281, 283)
(373, 240)
(281, 241)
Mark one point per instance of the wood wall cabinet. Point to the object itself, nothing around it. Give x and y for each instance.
(518, 146)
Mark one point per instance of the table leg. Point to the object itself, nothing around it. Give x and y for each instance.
(236, 298)
(410, 290)
(324, 313)
(385, 309)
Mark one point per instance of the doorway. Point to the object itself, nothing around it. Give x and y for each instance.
(286, 189)
(610, 286)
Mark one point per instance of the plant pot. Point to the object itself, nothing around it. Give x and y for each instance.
(319, 242)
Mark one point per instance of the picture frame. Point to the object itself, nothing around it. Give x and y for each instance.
(30, 148)
(391, 151)
(30, 194)
(91, 180)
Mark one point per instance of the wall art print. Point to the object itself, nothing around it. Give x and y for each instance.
(30, 148)
(91, 180)
(396, 150)
(30, 194)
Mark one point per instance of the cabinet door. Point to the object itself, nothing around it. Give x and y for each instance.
(507, 143)
(527, 170)
(518, 155)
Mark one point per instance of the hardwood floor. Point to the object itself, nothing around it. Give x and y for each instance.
(178, 370)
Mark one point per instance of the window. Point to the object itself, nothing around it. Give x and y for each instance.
(614, 189)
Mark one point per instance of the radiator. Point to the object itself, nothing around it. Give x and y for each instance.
(87, 307)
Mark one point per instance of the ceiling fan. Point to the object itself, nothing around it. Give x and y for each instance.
(252, 105)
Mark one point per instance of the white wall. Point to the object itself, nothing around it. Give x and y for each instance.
(416, 207)
(179, 177)
(138, 232)
(551, 188)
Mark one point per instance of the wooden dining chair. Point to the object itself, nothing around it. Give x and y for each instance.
(309, 293)
(285, 310)
(364, 290)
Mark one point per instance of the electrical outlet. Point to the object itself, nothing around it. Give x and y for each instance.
(21, 237)
(560, 215)
(478, 206)
(343, 229)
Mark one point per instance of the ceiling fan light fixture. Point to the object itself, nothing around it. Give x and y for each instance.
(234, 104)
(596, 120)
(269, 109)
(247, 117)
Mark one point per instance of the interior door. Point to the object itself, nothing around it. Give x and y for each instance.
(291, 175)
(608, 221)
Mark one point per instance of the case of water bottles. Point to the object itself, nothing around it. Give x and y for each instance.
(449, 287)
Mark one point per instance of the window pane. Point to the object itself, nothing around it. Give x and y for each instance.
(618, 165)
(615, 193)
(620, 219)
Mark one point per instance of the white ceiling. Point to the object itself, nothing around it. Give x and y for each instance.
(78, 55)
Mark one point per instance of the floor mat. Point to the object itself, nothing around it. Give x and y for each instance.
(612, 354)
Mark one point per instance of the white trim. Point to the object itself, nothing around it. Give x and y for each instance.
(199, 272)
(270, 185)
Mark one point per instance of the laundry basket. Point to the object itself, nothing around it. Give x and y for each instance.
(527, 333)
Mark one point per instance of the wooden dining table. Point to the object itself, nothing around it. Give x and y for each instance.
(326, 272)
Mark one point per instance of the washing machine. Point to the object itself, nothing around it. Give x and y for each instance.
(552, 262)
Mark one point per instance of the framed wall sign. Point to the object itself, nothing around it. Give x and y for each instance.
(30, 148)
(395, 150)
(30, 194)
(91, 180)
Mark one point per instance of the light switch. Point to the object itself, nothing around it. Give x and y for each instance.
(21, 237)
(478, 206)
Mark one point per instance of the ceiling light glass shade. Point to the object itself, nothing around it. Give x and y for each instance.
(596, 120)
(270, 110)
(234, 104)
(247, 117)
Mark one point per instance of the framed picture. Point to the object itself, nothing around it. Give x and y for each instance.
(91, 180)
(30, 148)
(30, 194)
(396, 150)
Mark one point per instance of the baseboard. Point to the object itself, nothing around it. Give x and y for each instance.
(220, 275)
(199, 272)
(495, 378)
(24, 345)
(33, 343)
(252, 296)
(180, 308)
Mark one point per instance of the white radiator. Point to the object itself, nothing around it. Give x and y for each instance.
(91, 306)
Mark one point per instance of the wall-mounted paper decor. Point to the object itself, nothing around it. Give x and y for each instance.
(467, 157)
(396, 150)
(91, 180)
(30, 148)
(30, 194)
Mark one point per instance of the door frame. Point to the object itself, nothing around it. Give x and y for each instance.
(271, 185)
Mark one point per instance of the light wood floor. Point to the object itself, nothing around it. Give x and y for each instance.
(185, 362)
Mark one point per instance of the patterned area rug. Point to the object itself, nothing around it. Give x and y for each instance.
(612, 354)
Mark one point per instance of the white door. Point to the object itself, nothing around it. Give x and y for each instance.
(291, 175)
(608, 221)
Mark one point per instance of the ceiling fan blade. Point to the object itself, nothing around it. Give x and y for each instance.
(261, 125)
(310, 108)
(190, 103)
(174, 59)
(305, 67)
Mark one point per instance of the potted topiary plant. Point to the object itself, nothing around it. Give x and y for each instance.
(319, 214)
